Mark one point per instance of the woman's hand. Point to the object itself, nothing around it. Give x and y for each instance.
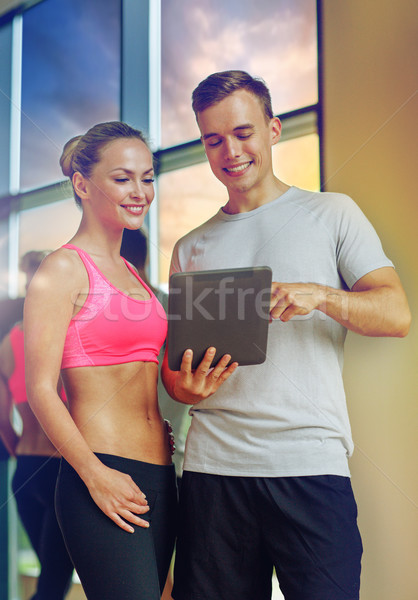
(117, 495)
(192, 386)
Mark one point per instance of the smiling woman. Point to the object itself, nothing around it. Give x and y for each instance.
(90, 319)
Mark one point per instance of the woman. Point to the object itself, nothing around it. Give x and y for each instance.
(37, 463)
(89, 316)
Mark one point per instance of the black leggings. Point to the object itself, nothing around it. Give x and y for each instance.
(112, 563)
(33, 486)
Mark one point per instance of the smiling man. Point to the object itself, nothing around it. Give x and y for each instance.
(266, 480)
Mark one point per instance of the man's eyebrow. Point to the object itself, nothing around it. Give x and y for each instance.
(206, 136)
(245, 126)
(238, 128)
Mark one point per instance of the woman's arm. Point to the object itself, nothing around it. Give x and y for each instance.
(49, 308)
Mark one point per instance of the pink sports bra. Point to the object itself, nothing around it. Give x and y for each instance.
(16, 381)
(112, 328)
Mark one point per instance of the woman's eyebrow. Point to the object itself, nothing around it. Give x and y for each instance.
(129, 172)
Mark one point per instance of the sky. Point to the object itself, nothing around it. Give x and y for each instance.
(71, 65)
(272, 39)
(70, 78)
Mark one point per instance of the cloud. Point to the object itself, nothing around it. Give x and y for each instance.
(274, 40)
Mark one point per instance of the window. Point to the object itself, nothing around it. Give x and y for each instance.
(70, 79)
(272, 39)
(57, 221)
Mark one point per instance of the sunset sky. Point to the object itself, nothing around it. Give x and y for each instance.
(272, 39)
(71, 65)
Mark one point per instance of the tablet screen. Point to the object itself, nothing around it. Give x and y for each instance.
(225, 308)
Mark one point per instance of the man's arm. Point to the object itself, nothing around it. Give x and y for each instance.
(375, 306)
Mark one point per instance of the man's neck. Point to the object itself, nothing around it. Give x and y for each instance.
(247, 201)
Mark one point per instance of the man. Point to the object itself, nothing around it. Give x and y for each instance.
(266, 480)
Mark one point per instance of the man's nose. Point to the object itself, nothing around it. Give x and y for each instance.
(232, 148)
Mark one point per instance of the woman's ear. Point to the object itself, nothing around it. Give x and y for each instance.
(80, 185)
(276, 130)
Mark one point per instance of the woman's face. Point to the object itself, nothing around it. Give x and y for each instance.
(121, 186)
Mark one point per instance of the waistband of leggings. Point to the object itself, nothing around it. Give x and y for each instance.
(157, 476)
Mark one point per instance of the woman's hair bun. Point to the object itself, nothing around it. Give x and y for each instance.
(66, 160)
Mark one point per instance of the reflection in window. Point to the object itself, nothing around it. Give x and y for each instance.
(47, 227)
(272, 39)
(70, 79)
(190, 196)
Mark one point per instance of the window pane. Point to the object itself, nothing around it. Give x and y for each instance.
(273, 39)
(187, 198)
(47, 228)
(190, 196)
(70, 79)
(296, 162)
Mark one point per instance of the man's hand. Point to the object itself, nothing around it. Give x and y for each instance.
(191, 386)
(375, 306)
(291, 299)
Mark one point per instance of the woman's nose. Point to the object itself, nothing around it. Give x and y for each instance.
(138, 191)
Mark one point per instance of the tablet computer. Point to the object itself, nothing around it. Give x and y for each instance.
(225, 308)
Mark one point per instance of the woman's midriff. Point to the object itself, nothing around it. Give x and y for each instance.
(116, 409)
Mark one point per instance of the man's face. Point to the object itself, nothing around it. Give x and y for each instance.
(238, 141)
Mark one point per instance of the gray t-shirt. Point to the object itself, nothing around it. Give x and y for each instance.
(287, 416)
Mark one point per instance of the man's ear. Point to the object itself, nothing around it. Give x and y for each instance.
(276, 130)
(80, 185)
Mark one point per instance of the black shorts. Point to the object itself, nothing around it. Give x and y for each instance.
(234, 530)
(111, 563)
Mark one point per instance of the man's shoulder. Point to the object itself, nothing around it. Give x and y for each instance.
(327, 204)
(320, 197)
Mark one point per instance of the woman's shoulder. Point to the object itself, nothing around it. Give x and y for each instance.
(61, 269)
(64, 260)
